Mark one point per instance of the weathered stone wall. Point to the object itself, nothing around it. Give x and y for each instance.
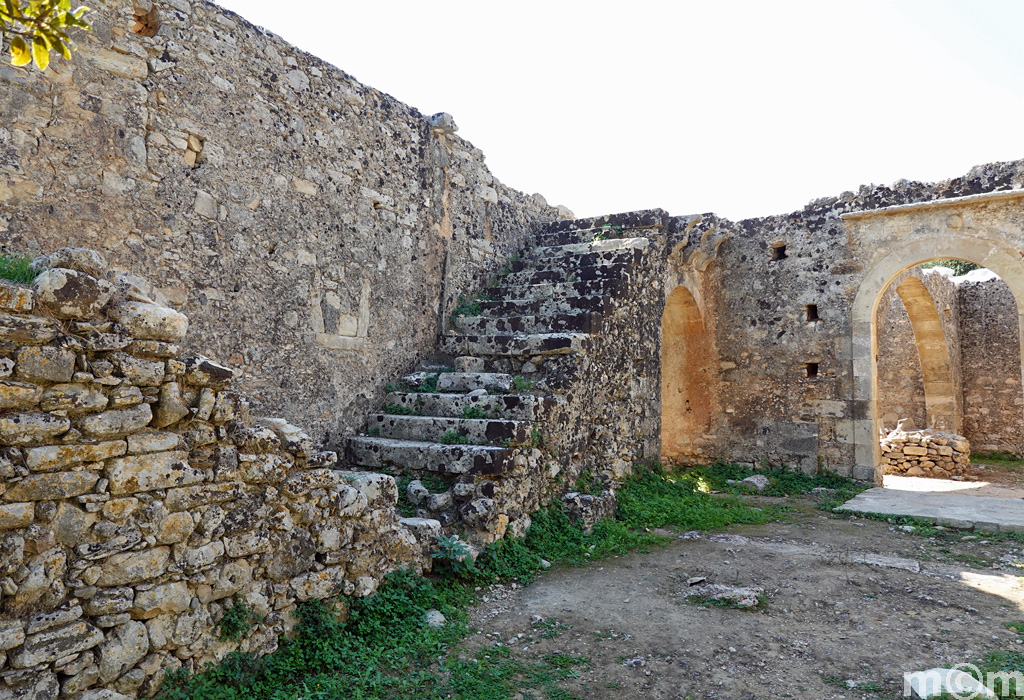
(138, 500)
(287, 209)
(788, 387)
(990, 341)
(928, 453)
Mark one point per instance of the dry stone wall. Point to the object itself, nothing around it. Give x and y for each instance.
(929, 453)
(139, 500)
(287, 209)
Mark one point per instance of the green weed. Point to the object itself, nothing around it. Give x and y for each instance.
(238, 621)
(520, 384)
(395, 409)
(451, 437)
(475, 413)
(16, 268)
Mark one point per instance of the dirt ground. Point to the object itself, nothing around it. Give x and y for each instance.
(850, 606)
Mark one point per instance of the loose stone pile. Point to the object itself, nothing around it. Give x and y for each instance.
(139, 502)
(925, 453)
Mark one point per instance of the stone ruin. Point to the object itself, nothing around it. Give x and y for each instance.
(319, 240)
(929, 453)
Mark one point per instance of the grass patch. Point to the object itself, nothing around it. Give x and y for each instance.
(16, 268)
(1007, 458)
(451, 437)
(395, 409)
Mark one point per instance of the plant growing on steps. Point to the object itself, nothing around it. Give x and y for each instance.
(394, 409)
(451, 437)
(521, 384)
(475, 413)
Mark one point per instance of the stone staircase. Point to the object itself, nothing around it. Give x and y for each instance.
(483, 423)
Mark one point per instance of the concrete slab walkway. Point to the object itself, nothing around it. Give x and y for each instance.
(949, 509)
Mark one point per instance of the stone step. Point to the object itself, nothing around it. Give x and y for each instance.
(632, 223)
(554, 290)
(554, 251)
(432, 428)
(628, 256)
(514, 345)
(375, 453)
(463, 382)
(597, 303)
(576, 321)
(525, 407)
(565, 273)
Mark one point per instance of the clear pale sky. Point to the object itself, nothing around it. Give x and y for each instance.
(744, 108)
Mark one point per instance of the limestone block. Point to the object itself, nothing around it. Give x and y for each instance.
(133, 567)
(187, 498)
(158, 470)
(293, 438)
(175, 528)
(124, 395)
(31, 330)
(16, 298)
(138, 371)
(262, 469)
(110, 601)
(83, 679)
(80, 259)
(54, 457)
(102, 693)
(12, 633)
(153, 349)
(73, 398)
(192, 559)
(379, 489)
(132, 287)
(426, 530)
(153, 441)
(961, 446)
(122, 649)
(116, 423)
(16, 515)
(233, 577)
(256, 439)
(160, 600)
(189, 627)
(150, 322)
(54, 618)
(170, 408)
(57, 643)
(70, 294)
(319, 584)
(53, 486)
(915, 450)
(305, 481)
(45, 364)
(230, 406)
(202, 371)
(247, 544)
(19, 395)
(119, 509)
(39, 686)
(71, 524)
(28, 428)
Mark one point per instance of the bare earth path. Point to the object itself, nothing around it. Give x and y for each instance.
(830, 621)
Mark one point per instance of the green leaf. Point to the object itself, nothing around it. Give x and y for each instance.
(20, 54)
(41, 52)
(63, 49)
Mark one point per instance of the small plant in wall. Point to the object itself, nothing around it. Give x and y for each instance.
(238, 621)
(452, 555)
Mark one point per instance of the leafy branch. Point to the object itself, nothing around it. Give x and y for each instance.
(36, 27)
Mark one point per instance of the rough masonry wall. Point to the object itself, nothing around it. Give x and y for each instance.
(990, 341)
(755, 298)
(139, 502)
(288, 210)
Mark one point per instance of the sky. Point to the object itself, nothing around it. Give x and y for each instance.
(744, 108)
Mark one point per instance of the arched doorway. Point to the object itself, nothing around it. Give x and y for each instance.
(685, 377)
(984, 252)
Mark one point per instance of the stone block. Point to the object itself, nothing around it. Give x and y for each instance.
(54, 457)
(29, 428)
(70, 294)
(110, 601)
(73, 398)
(16, 515)
(202, 371)
(134, 567)
(915, 450)
(150, 322)
(170, 408)
(45, 364)
(138, 371)
(116, 423)
(58, 643)
(158, 470)
(52, 486)
(319, 584)
(27, 330)
(175, 528)
(16, 298)
(153, 441)
(19, 395)
(122, 649)
(262, 469)
(169, 598)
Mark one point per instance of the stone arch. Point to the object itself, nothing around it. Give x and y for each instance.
(685, 378)
(995, 255)
(941, 405)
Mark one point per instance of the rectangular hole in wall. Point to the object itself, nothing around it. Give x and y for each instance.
(778, 251)
(811, 368)
(812, 313)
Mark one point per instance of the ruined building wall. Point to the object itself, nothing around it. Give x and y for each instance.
(990, 339)
(768, 407)
(288, 210)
